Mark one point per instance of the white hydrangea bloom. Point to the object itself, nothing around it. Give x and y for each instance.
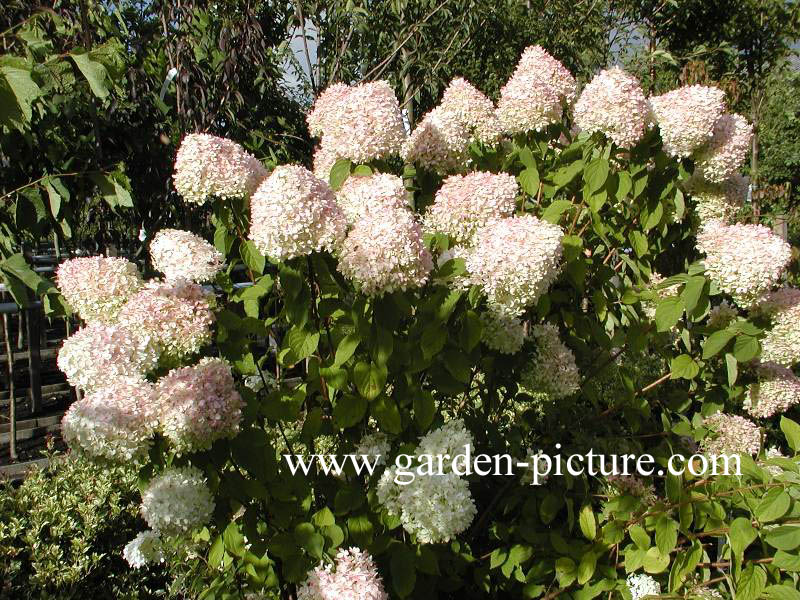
(97, 287)
(553, 369)
(781, 342)
(380, 191)
(374, 445)
(177, 501)
(502, 334)
(775, 392)
(144, 549)
(182, 255)
(641, 585)
(686, 117)
(724, 155)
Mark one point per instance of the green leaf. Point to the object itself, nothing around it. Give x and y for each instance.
(668, 312)
(773, 505)
(349, 410)
(370, 379)
(346, 348)
(234, 540)
(741, 535)
(786, 561)
(683, 366)
(424, 409)
(404, 575)
(565, 175)
(94, 72)
(340, 171)
(433, 340)
(692, 292)
(566, 571)
(639, 243)
(385, 411)
(782, 592)
(732, 367)
(746, 348)
(22, 87)
(216, 552)
(751, 583)
(587, 522)
(596, 174)
(529, 181)
(302, 342)
(640, 537)
(251, 257)
(526, 157)
(552, 214)
(792, 432)
(654, 561)
(472, 329)
(666, 535)
(785, 537)
(586, 567)
(55, 200)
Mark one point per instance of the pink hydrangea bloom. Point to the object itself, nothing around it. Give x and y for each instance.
(199, 405)
(182, 255)
(207, 165)
(514, 260)
(727, 150)
(614, 104)
(465, 203)
(777, 390)
(745, 261)
(384, 252)
(293, 213)
(535, 95)
(781, 342)
(730, 434)
(98, 286)
(686, 117)
(360, 194)
(355, 577)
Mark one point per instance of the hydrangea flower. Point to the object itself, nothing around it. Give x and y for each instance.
(360, 194)
(719, 201)
(176, 316)
(361, 122)
(686, 117)
(207, 166)
(642, 585)
(374, 445)
(614, 104)
(745, 261)
(97, 354)
(177, 501)
(724, 155)
(182, 255)
(384, 252)
(450, 439)
(553, 369)
(535, 95)
(115, 422)
(502, 334)
(781, 342)
(777, 389)
(465, 203)
(97, 287)
(292, 213)
(199, 405)
(632, 486)
(144, 549)
(514, 260)
(730, 434)
(354, 577)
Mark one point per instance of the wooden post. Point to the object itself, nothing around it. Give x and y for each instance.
(12, 405)
(35, 357)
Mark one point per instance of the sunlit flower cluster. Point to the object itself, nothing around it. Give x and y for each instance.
(686, 117)
(375, 446)
(502, 334)
(176, 316)
(384, 252)
(721, 315)
(361, 122)
(514, 260)
(182, 255)
(777, 389)
(441, 140)
(773, 469)
(97, 354)
(435, 508)
(354, 577)
(781, 342)
(360, 194)
(293, 213)
(614, 104)
(719, 201)
(642, 585)
(727, 150)
(745, 261)
(730, 434)
(199, 405)
(144, 549)
(177, 501)
(553, 369)
(115, 422)
(536, 93)
(207, 166)
(97, 287)
(465, 203)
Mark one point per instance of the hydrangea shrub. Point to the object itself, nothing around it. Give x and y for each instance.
(489, 281)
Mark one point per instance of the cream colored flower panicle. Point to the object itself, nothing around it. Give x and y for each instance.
(97, 354)
(718, 201)
(380, 191)
(745, 261)
(724, 155)
(384, 252)
(536, 93)
(553, 369)
(353, 577)
(614, 104)
(686, 117)
(182, 255)
(781, 342)
(465, 203)
(514, 261)
(98, 286)
(207, 165)
(777, 389)
(144, 549)
(502, 334)
(473, 110)
(293, 213)
(361, 122)
(177, 501)
(730, 434)
(115, 422)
